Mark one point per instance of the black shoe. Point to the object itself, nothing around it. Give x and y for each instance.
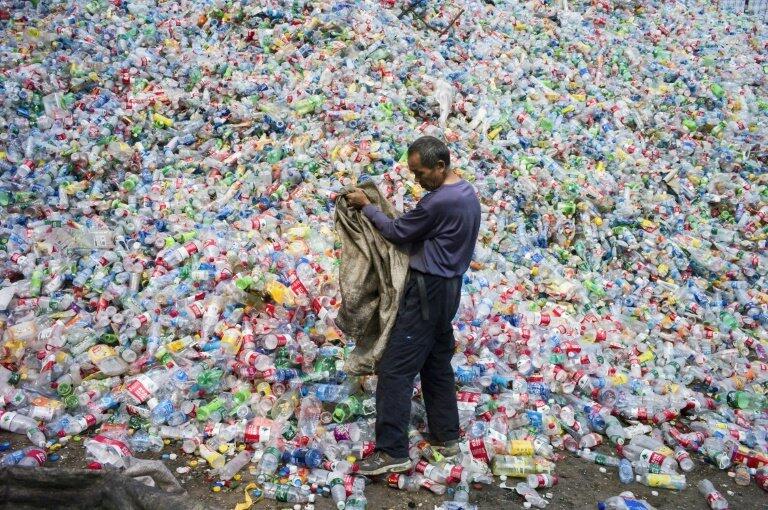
(380, 463)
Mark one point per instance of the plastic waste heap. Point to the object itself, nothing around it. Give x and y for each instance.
(168, 266)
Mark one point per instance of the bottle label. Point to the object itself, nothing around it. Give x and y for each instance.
(467, 400)
(281, 493)
(141, 388)
(751, 458)
(634, 504)
(659, 480)
(42, 413)
(190, 248)
(478, 450)
(455, 473)
(38, 455)
(519, 447)
(652, 457)
(6, 418)
(714, 496)
(99, 352)
(296, 284)
(196, 310)
(256, 433)
(121, 447)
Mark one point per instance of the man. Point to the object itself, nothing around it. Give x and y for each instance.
(440, 235)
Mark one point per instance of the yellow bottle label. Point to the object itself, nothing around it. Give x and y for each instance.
(645, 357)
(177, 345)
(100, 352)
(521, 447)
(619, 379)
(231, 340)
(658, 480)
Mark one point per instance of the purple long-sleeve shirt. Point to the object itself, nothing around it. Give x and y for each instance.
(441, 230)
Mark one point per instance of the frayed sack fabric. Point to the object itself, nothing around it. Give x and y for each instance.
(372, 276)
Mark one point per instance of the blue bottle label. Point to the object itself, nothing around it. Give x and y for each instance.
(634, 504)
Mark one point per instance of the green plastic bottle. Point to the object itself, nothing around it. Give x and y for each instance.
(746, 400)
(348, 409)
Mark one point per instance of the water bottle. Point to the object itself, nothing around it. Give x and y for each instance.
(715, 500)
(284, 493)
(538, 481)
(15, 422)
(338, 492)
(270, 461)
(238, 462)
(624, 503)
(530, 495)
(626, 474)
(664, 481)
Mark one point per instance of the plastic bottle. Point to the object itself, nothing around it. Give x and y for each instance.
(36, 456)
(635, 452)
(513, 466)
(715, 500)
(626, 474)
(16, 423)
(235, 464)
(684, 460)
(598, 458)
(338, 492)
(530, 495)
(212, 457)
(541, 480)
(284, 493)
(624, 503)
(664, 481)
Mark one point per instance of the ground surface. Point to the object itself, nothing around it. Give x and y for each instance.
(581, 486)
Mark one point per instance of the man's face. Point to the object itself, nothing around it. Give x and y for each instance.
(428, 178)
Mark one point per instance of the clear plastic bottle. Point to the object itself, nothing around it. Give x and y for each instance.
(16, 423)
(338, 492)
(624, 503)
(715, 500)
(235, 464)
(664, 481)
(626, 474)
(538, 481)
(268, 464)
(285, 493)
(530, 495)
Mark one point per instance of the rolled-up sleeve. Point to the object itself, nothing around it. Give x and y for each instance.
(415, 225)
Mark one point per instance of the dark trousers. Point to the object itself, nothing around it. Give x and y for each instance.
(421, 342)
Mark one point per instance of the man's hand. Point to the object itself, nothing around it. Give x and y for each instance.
(357, 199)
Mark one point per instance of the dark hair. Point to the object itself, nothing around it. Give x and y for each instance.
(430, 150)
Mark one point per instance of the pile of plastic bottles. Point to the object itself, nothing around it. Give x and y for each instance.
(169, 267)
